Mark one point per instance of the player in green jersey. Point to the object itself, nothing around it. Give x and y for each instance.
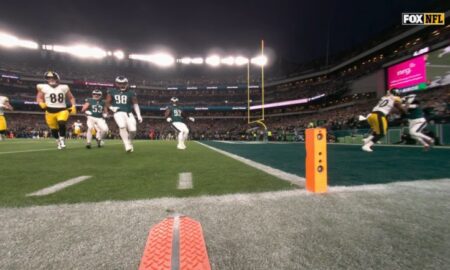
(94, 109)
(416, 120)
(122, 101)
(174, 115)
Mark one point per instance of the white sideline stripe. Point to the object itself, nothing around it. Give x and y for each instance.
(185, 180)
(292, 178)
(441, 184)
(59, 186)
(346, 144)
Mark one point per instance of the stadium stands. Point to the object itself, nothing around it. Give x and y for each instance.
(338, 109)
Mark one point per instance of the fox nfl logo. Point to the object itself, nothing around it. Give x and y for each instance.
(423, 18)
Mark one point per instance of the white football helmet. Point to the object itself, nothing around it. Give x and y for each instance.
(121, 83)
(96, 94)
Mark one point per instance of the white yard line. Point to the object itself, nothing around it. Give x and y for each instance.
(292, 178)
(70, 146)
(59, 186)
(185, 180)
(28, 151)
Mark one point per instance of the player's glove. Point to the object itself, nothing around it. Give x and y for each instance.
(73, 110)
(192, 119)
(88, 113)
(43, 105)
(105, 115)
(169, 119)
(139, 119)
(114, 109)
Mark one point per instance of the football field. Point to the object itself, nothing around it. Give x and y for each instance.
(151, 171)
(92, 209)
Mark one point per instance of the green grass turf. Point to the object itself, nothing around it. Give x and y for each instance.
(150, 172)
(348, 165)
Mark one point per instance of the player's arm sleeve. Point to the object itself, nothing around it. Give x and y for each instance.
(398, 105)
(71, 97)
(107, 102)
(167, 113)
(85, 106)
(40, 97)
(137, 110)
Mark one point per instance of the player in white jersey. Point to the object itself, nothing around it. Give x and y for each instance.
(77, 128)
(4, 105)
(51, 97)
(93, 107)
(377, 119)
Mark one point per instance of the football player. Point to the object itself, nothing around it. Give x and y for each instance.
(416, 121)
(121, 101)
(4, 105)
(94, 107)
(51, 97)
(77, 128)
(174, 116)
(377, 119)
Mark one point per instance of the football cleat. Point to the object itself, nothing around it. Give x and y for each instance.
(58, 145)
(366, 148)
(88, 146)
(129, 148)
(62, 143)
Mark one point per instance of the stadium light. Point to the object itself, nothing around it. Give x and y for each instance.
(10, 41)
(188, 60)
(240, 61)
(159, 59)
(119, 54)
(213, 60)
(185, 60)
(81, 51)
(197, 60)
(259, 60)
(228, 61)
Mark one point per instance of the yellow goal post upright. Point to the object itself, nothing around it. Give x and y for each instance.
(261, 119)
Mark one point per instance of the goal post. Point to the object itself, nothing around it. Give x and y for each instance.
(259, 120)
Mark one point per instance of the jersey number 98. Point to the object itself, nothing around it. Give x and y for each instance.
(121, 99)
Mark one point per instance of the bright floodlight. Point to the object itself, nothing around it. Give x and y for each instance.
(162, 59)
(188, 60)
(82, 51)
(10, 41)
(185, 60)
(240, 60)
(213, 60)
(119, 54)
(228, 60)
(159, 59)
(197, 60)
(259, 60)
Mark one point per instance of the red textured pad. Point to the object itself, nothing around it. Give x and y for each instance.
(158, 250)
(192, 249)
(193, 254)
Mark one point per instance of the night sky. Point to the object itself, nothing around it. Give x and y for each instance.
(295, 30)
